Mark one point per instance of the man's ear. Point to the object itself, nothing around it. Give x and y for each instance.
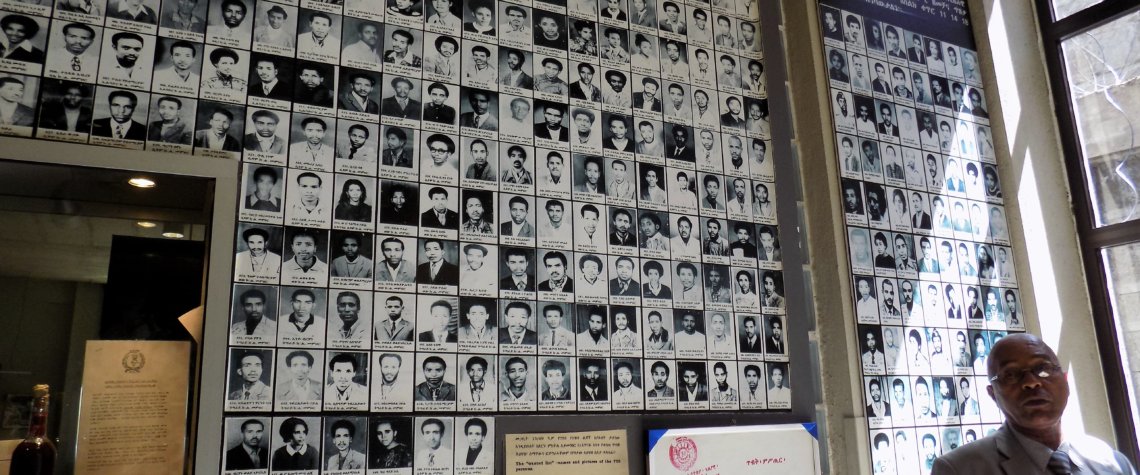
(990, 391)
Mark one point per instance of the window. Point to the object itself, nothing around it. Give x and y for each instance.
(1094, 65)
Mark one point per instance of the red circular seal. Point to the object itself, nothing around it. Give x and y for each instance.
(683, 453)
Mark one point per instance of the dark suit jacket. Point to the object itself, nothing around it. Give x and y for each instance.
(405, 216)
(281, 91)
(238, 459)
(576, 92)
(230, 144)
(529, 337)
(525, 80)
(467, 119)
(545, 286)
(428, 336)
(639, 102)
(541, 132)
(507, 283)
(881, 86)
(1002, 453)
(319, 96)
(444, 114)
(603, 395)
(102, 128)
(429, 219)
(922, 221)
(609, 143)
(686, 153)
(390, 107)
(348, 102)
(753, 348)
(448, 274)
(527, 231)
(729, 120)
(53, 117)
(634, 289)
(915, 55)
(619, 17)
(892, 130)
(771, 347)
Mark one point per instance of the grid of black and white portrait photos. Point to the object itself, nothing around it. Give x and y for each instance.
(447, 207)
(932, 269)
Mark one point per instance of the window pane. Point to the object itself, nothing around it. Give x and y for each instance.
(1064, 8)
(1122, 264)
(1102, 68)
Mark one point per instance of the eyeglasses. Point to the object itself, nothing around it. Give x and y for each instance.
(439, 150)
(1011, 377)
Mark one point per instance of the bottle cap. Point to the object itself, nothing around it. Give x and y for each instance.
(40, 390)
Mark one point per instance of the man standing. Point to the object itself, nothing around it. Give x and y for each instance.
(1031, 438)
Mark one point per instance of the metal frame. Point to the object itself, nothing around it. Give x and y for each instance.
(1093, 239)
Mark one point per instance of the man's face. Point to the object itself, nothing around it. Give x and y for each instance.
(647, 227)
(233, 15)
(617, 128)
(251, 435)
(515, 18)
(687, 278)
(478, 316)
(253, 308)
(342, 439)
(266, 71)
(390, 369)
(551, 70)
(446, 50)
(554, 213)
(625, 270)
(122, 108)
(304, 248)
(553, 378)
(516, 374)
(621, 321)
(393, 252)
(219, 123)
(553, 318)
(433, 435)
(167, 110)
(871, 342)
(72, 97)
(475, 437)
(310, 187)
(276, 20)
(516, 319)
(348, 309)
(593, 374)
(266, 127)
(922, 398)
(593, 173)
(370, 34)
(713, 230)
(876, 393)
(362, 87)
(403, 89)
(621, 223)
(590, 270)
(660, 377)
(734, 106)
(888, 295)
(900, 395)
(433, 252)
(311, 78)
(777, 331)
(77, 40)
(584, 123)
(718, 324)
(684, 229)
(689, 323)
(439, 202)
(624, 377)
(250, 370)
(480, 59)
(555, 268)
(964, 389)
(302, 305)
(517, 264)
(479, 153)
(433, 372)
(553, 117)
(597, 324)
(690, 377)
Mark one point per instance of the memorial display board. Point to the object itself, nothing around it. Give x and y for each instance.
(932, 268)
(448, 208)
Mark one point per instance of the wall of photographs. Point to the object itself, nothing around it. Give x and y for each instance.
(933, 275)
(448, 207)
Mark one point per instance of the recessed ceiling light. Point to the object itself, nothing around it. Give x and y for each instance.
(146, 224)
(172, 231)
(141, 182)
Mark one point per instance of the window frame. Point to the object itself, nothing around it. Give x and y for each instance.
(1093, 239)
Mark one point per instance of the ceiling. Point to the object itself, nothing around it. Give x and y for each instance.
(58, 221)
